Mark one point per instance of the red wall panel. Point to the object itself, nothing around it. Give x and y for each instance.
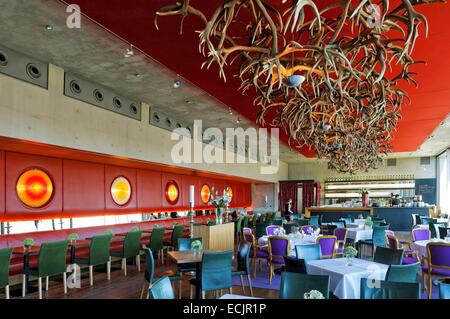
(2, 184)
(16, 164)
(187, 181)
(247, 191)
(166, 178)
(111, 173)
(218, 186)
(236, 193)
(149, 190)
(83, 187)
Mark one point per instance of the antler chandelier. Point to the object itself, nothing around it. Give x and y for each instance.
(331, 81)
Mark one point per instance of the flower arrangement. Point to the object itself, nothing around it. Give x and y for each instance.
(135, 229)
(73, 236)
(196, 245)
(219, 201)
(109, 232)
(364, 191)
(360, 216)
(368, 221)
(314, 294)
(350, 252)
(28, 242)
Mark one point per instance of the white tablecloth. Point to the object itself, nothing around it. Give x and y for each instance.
(293, 240)
(229, 296)
(345, 281)
(357, 234)
(421, 246)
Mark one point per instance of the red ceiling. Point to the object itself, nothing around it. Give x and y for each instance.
(133, 21)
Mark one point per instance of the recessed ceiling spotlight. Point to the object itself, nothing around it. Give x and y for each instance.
(177, 83)
(138, 75)
(129, 52)
(230, 111)
(49, 27)
(238, 120)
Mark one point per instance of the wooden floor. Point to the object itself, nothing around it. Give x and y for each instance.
(120, 287)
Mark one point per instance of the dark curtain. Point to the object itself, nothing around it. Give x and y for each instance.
(317, 194)
(288, 190)
(308, 199)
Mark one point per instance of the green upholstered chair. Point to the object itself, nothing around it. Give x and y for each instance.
(301, 222)
(295, 285)
(388, 256)
(444, 289)
(308, 252)
(314, 221)
(5, 258)
(157, 242)
(339, 224)
(161, 289)
(292, 264)
(288, 228)
(389, 290)
(403, 273)
(130, 249)
(238, 227)
(176, 233)
(215, 273)
(260, 230)
(379, 238)
(150, 276)
(52, 261)
(243, 264)
(245, 222)
(98, 255)
(277, 221)
(211, 223)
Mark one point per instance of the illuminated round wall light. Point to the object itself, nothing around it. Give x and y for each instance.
(121, 191)
(205, 193)
(34, 188)
(229, 190)
(172, 192)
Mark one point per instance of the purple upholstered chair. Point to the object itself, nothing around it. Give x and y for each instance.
(409, 257)
(437, 263)
(341, 235)
(421, 234)
(270, 230)
(257, 253)
(328, 246)
(278, 248)
(247, 230)
(308, 229)
(389, 232)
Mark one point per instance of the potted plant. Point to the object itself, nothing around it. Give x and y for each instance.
(109, 232)
(349, 253)
(220, 203)
(28, 242)
(73, 237)
(135, 229)
(313, 294)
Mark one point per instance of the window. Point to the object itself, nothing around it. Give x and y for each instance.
(443, 181)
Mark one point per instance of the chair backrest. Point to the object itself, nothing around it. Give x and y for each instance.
(52, 258)
(288, 228)
(443, 232)
(292, 264)
(388, 256)
(347, 220)
(392, 242)
(301, 222)
(247, 230)
(414, 219)
(5, 258)
(249, 237)
(295, 285)
(186, 243)
(157, 239)
(339, 224)
(444, 289)
(425, 220)
(435, 229)
(211, 223)
(260, 229)
(177, 233)
(308, 229)
(238, 224)
(99, 249)
(341, 234)
(245, 222)
(278, 247)
(243, 254)
(161, 289)
(379, 236)
(308, 252)
(439, 255)
(277, 221)
(421, 234)
(314, 221)
(389, 290)
(328, 245)
(270, 230)
(403, 273)
(418, 221)
(215, 271)
(132, 244)
(149, 265)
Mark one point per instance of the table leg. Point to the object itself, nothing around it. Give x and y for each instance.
(26, 264)
(72, 253)
(198, 288)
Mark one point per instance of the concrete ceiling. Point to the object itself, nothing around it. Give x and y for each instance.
(98, 55)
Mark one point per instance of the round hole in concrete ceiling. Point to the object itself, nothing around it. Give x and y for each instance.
(117, 102)
(168, 122)
(133, 109)
(75, 87)
(98, 95)
(156, 117)
(33, 71)
(3, 59)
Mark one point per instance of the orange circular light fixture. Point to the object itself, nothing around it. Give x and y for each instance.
(229, 190)
(121, 191)
(172, 192)
(34, 188)
(205, 193)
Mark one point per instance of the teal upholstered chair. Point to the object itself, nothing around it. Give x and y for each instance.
(5, 258)
(238, 228)
(150, 276)
(277, 221)
(444, 289)
(308, 252)
(403, 273)
(161, 289)
(215, 273)
(301, 222)
(260, 230)
(243, 264)
(98, 255)
(295, 285)
(176, 233)
(378, 238)
(157, 242)
(389, 290)
(130, 249)
(339, 224)
(314, 221)
(52, 261)
(347, 220)
(425, 220)
(184, 244)
(388, 256)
